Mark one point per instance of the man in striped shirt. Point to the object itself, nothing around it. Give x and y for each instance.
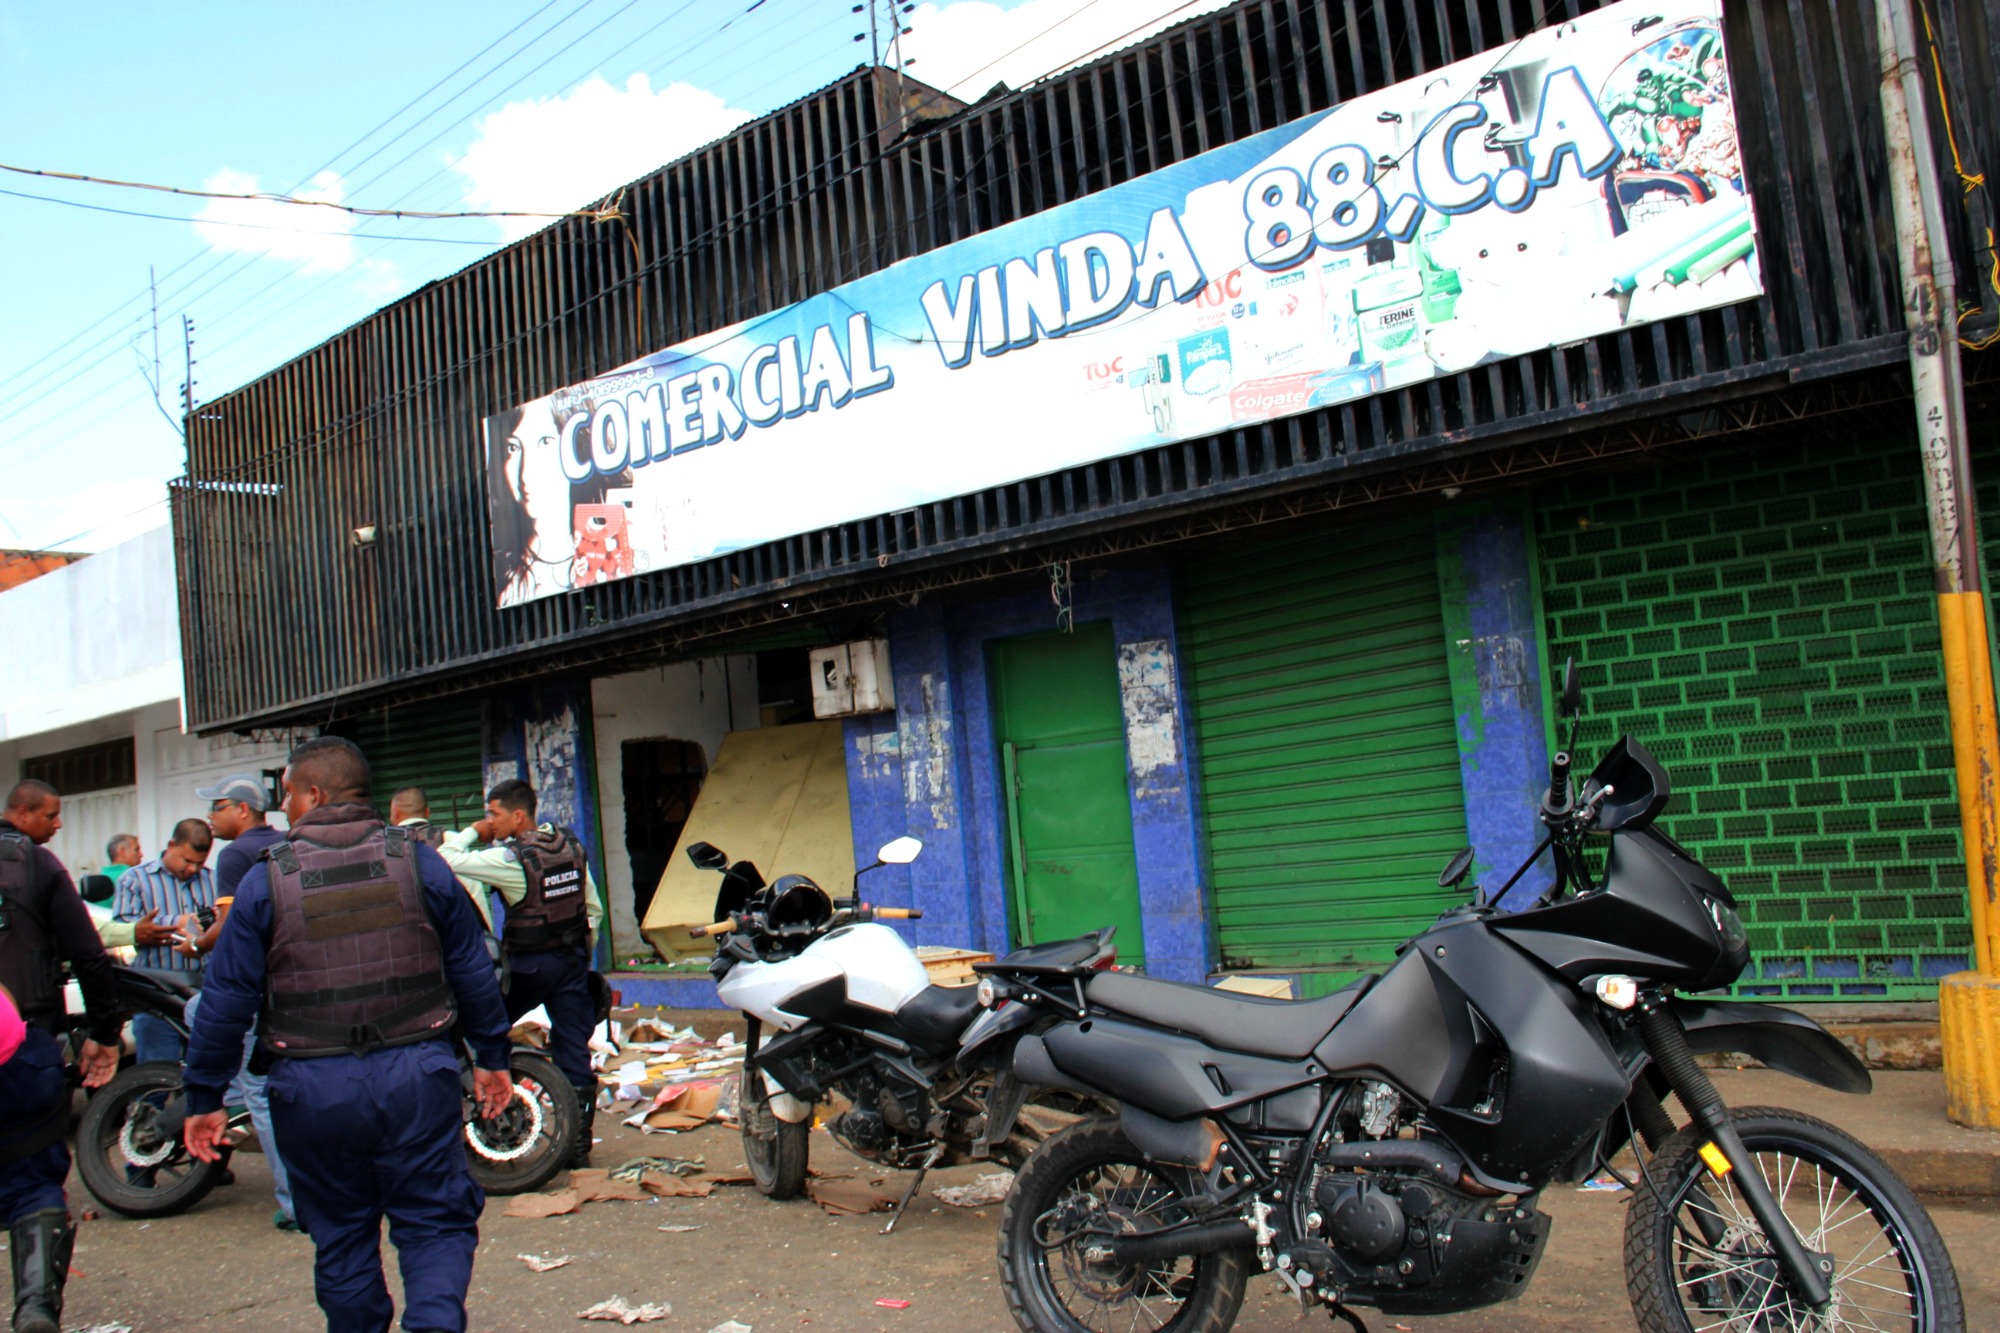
(175, 884)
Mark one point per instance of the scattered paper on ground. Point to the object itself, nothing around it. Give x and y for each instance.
(127, 1328)
(537, 1264)
(680, 1226)
(679, 1106)
(731, 1327)
(544, 1205)
(841, 1195)
(991, 1187)
(640, 1167)
(618, 1310)
(673, 1187)
(594, 1186)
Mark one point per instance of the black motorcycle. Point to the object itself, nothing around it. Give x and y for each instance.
(132, 1154)
(925, 1070)
(1385, 1145)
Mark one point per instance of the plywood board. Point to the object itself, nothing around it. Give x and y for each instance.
(776, 797)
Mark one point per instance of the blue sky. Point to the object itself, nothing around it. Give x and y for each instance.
(536, 105)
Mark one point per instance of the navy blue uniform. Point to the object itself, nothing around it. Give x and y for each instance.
(366, 1136)
(32, 1085)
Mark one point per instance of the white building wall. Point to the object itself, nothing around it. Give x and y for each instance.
(698, 701)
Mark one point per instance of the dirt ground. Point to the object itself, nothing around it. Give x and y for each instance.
(775, 1267)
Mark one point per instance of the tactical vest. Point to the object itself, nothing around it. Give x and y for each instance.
(550, 914)
(28, 966)
(425, 831)
(354, 964)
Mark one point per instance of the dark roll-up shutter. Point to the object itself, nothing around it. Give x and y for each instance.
(433, 745)
(1328, 752)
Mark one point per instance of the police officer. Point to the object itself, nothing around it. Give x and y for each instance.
(42, 920)
(353, 950)
(543, 875)
(410, 808)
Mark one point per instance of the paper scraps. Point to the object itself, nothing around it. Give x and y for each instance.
(679, 1106)
(991, 1187)
(666, 1166)
(730, 1326)
(617, 1309)
(538, 1264)
(681, 1226)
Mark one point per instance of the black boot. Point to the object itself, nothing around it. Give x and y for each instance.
(586, 1121)
(40, 1246)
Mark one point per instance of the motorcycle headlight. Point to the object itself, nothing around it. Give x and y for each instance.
(1728, 925)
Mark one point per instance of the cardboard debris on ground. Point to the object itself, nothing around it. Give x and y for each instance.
(532, 1029)
(595, 1185)
(636, 1061)
(537, 1264)
(673, 1187)
(991, 1187)
(618, 1310)
(841, 1195)
(543, 1205)
(679, 1106)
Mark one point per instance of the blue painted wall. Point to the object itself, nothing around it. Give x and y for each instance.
(543, 735)
(931, 769)
(1494, 647)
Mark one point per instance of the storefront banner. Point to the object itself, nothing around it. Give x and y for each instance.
(1582, 179)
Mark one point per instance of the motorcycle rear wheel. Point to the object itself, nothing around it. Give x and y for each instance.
(1087, 1181)
(528, 1144)
(130, 1150)
(775, 1150)
(1891, 1271)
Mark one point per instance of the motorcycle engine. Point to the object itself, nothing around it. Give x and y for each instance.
(861, 1132)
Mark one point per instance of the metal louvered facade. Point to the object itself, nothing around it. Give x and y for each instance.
(436, 747)
(1321, 710)
(283, 619)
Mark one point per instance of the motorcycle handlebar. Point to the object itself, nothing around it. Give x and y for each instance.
(722, 927)
(897, 913)
(1559, 778)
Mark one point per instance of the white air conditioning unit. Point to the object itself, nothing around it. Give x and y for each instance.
(852, 678)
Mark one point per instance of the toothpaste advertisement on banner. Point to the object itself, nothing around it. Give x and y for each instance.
(1583, 179)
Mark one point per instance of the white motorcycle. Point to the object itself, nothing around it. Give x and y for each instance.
(924, 1069)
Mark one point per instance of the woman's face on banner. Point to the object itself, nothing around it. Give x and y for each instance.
(534, 469)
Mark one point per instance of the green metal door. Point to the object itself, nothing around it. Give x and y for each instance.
(434, 746)
(1061, 735)
(1328, 751)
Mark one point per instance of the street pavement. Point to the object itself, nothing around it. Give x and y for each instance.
(782, 1267)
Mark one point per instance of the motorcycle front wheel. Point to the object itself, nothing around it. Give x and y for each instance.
(1696, 1260)
(775, 1150)
(528, 1144)
(1088, 1183)
(130, 1150)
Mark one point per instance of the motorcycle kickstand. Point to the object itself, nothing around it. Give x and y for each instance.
(930, 1161)
(1341, 1314)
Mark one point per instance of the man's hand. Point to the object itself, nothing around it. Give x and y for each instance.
(204, 1134)
(98, 1063)
(187, 940)
(147, 932)
(493, 1088)
(484, 828)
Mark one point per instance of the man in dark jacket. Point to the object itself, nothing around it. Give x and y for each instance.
(353, 950)
(42, 923)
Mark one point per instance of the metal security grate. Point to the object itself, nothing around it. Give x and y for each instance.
(1762, 617)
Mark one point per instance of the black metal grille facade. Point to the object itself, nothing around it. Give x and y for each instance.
(283, 617)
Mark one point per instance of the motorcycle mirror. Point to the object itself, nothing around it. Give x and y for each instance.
(1456, 870)
(96, 888)
(706, 856)
(900, 852)
(1572, 690)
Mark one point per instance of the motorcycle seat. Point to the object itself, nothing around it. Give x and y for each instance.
(175, 983)
(1253, 1024)
(935, 1016)
(1056, 953)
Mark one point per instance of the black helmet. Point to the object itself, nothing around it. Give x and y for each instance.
(798, 907)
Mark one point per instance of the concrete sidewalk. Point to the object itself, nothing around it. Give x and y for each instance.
(1903, 1120)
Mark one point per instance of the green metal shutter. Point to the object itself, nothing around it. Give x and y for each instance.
(1761, 616)
(435, 746)
(1328, 753)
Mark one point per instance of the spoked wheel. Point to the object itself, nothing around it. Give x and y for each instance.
(525, 1146)
(129, 1147)
(775, 1150)
(1083, 1186)
(1696, 1261)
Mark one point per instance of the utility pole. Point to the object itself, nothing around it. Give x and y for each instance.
(1968, 1002)
(187, 385)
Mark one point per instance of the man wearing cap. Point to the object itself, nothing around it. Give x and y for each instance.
(236, 809)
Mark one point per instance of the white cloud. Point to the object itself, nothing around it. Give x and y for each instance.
(555, 154)
(318, 240)
(88, 518)
(973, 43)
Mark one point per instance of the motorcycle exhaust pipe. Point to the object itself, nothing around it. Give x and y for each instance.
(1172, 1243)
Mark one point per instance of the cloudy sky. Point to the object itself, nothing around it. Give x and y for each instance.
(503, 105)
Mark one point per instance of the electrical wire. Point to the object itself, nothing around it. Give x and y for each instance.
(248, 226)
(1971, 181)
